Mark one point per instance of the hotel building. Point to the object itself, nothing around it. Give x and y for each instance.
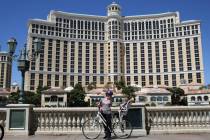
(156, 49)
(5, 70)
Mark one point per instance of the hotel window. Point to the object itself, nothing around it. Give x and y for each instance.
(33, 62)
(79, 79)
(65, 56)
(141, 30)
(134, 30)
(198, 77)
(188, 52)
(101, 58)
(180, 53)
(136, 80)
(135, 58)
(148, 30)
(181, 76)
(150, 80)
(2, 75)
(128, 80)
(56, 80)
(48, 80)
(155, 29)
(35, 28)
(166, 80)
(196, 51)
(173, 80)
(87, 70)
(80, 58)
(64, 81)
(158, 80)
(72, 57)
(94, 58)
(101, 79)
(170, 28)
(95, 79)
(194, 29)
(173, 64)
(57, 56)
(72, 80)
(50, 44)
(87, 80)
(127, 58)
(157, 53)
(41, 80)
(143, 80)
(178, 31)
(150, 64)
(32, 81)
(115, 57)
(165, 63)
(163, 29)
(190, 78)
(142, 58)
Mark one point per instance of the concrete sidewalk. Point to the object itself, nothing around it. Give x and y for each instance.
(81, 137)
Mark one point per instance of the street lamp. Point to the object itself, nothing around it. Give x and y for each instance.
(23, 60)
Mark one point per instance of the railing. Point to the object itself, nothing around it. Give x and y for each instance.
(3, 116)
(63, 120)
(178, 119)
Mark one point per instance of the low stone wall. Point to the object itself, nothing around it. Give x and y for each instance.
(63, 120)
(178, 119)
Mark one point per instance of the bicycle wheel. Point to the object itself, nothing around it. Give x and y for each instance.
(91, 129)
(122, 129)
(1, 132)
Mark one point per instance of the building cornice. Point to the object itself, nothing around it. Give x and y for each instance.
(86, 16)
(40, 21)
(160, 15)
(187, 22)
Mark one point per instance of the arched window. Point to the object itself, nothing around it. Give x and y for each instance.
(206, 98)
(159, 98)
(54, 98)
(141, 98)
(193, 98)
(165, 98)
(199, 98)
(153, 98)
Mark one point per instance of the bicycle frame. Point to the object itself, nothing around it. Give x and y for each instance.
(100, 118)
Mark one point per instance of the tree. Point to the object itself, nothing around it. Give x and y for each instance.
(76, 97)
(13, 97)
(120, 84)
(91, 86)
(176, 95)
(29, 97)
(129, 92)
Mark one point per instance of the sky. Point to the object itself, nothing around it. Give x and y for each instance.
(14, 16)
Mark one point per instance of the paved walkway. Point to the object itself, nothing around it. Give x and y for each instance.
(80, 137)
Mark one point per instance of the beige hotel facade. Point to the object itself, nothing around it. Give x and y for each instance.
(146, 50)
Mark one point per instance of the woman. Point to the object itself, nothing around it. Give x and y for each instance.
(105, 108)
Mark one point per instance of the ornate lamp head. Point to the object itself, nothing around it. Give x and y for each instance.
(12, 43)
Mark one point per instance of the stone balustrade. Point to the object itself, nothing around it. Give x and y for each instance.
(3, 116)
(178, 119)
(63, 120)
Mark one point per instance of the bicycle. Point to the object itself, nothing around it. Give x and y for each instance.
(1, 132)
(92, 128)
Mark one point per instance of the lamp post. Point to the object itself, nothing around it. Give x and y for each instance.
(23, 60)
